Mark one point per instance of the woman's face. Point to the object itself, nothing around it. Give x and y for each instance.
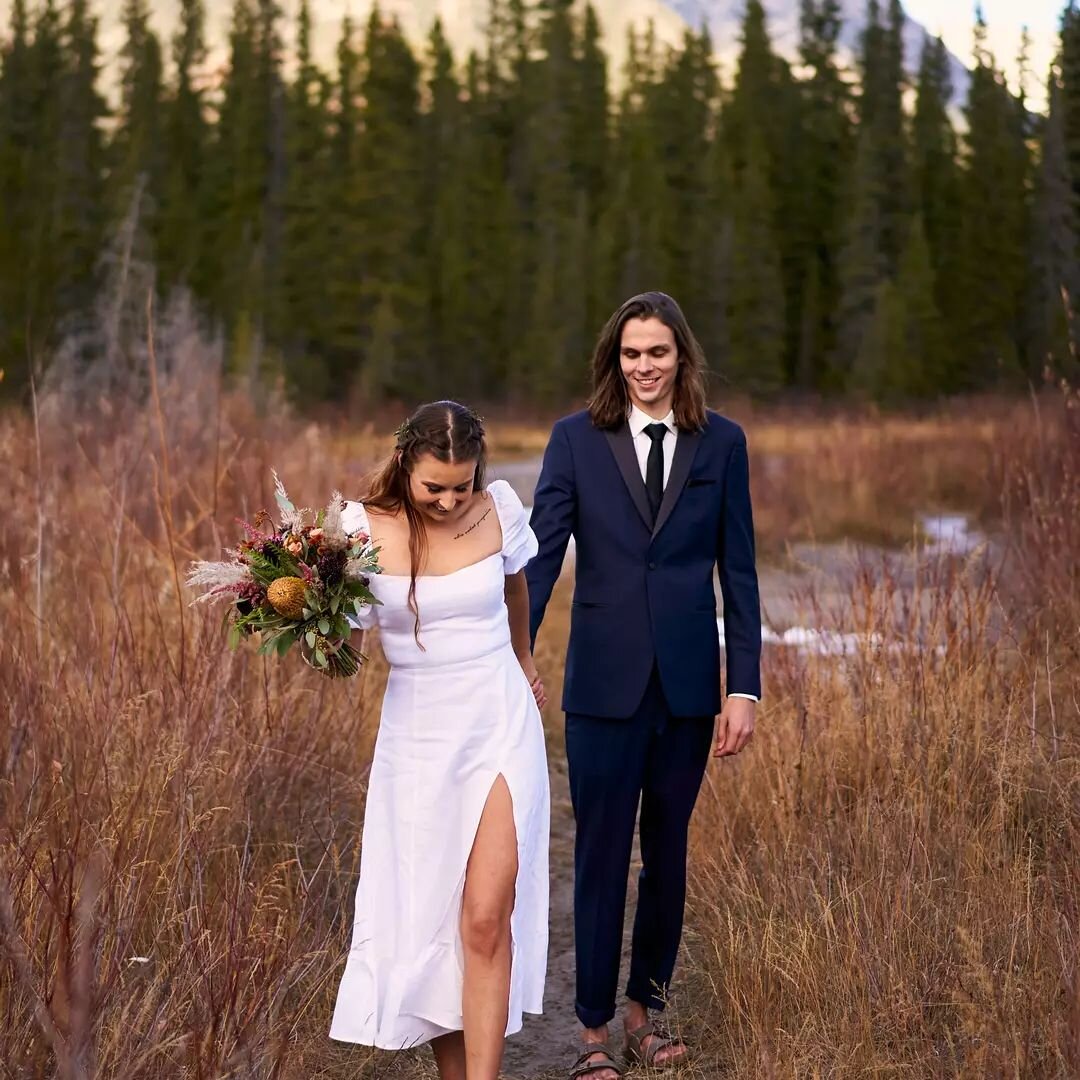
(441, 491)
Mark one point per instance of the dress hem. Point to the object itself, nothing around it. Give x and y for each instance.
(367, 1040)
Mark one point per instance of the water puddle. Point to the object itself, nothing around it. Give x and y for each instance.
(949, 534)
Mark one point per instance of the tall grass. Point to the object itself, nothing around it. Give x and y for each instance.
(180, 823)
(887, 883)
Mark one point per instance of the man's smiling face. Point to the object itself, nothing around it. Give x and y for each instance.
(649, 358)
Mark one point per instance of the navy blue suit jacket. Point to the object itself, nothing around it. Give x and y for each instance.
(644, 593)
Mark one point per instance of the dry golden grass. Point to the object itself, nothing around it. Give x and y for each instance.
(886, 885)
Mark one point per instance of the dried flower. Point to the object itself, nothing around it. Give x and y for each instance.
(333, 532)
(290, 516)
(219, 578)
(286, 596)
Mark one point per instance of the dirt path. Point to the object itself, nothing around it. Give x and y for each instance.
(547, 1041)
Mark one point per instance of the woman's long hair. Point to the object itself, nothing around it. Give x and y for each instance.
(609, 405)
(450, 433)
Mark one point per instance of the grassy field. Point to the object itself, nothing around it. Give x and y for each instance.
(887, 884)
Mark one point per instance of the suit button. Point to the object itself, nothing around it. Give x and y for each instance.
(652, 566)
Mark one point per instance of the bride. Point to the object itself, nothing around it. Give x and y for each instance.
(450, 935)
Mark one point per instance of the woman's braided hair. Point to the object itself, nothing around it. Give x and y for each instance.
(450, 433)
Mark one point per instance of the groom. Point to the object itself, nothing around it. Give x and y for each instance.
(655, 490)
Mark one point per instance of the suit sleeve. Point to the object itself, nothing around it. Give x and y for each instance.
(553, 516)
(738, 578)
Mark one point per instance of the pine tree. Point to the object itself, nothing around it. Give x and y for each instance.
(630, 254)
(1070, 96)
(344, 224)
(757, 316)
(78, 220)
(388, 179)
(814, 223)
(449, 267)
(248, 178)
(182, 226)
(492, 245)
(683, 113)
(878, 199)
(862, 268)
(40, 178)
(1054, 302)
(921, 370)
(302, 318)
(758, 100)
(991, 266)
(881, 125)
(555, 216)
(893, 142)
(137, 151)
(902, 354)
(592, 119)
(592, 144)
(934, 162)
(17, 136)
(765, 104)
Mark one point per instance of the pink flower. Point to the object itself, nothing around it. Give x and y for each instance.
(315, 535)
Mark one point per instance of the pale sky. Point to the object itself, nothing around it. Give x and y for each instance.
(1005, 20)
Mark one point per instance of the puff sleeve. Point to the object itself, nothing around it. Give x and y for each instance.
(519, 541)
(354, 519)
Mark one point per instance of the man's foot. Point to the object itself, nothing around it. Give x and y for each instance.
(596, 1061)
(650, 1043)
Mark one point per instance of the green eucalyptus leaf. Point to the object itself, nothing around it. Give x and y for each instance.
(324, 627)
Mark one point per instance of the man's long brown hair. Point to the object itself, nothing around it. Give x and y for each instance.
(450, 433)
(609, 405)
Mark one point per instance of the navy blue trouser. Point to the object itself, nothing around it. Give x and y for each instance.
(659, 760)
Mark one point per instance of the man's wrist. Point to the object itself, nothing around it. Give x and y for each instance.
(749, 697)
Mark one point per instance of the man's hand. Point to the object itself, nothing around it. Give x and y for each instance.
(734, 726)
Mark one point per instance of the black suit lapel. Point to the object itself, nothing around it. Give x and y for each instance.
(686, 446)
(622, 446)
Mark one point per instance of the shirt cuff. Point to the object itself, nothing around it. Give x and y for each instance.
(750, 697)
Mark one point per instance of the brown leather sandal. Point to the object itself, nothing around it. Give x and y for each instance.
(584, 1067)
(662, 1038)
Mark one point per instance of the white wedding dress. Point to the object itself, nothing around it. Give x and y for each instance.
(456, 716)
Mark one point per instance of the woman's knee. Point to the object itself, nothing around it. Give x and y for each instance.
(485, 927)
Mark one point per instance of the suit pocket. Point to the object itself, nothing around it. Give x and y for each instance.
(588, 604)
(700, 481)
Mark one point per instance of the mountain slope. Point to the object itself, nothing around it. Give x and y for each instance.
(464, 22)
(723, 18)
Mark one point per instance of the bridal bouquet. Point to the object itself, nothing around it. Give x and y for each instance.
(296, 580)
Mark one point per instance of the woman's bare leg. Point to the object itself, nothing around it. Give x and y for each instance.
(485, 934)
(450, 1055)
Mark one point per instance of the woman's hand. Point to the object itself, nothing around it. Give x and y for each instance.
(536, 684)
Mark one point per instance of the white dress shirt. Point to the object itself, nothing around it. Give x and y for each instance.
(639, 421)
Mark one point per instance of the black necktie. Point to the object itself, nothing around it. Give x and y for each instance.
(654, 467)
